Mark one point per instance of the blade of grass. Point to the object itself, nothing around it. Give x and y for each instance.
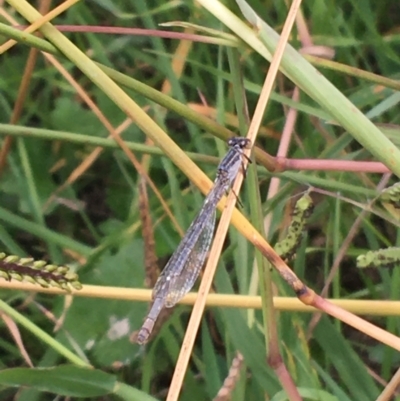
(360, 307)
(39, 333)
(205, 123)
(264, 39)
(151, 129)
(194, 322)
(43, 232)
(48, 17)
(51, 135)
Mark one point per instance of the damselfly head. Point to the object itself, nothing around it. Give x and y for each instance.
(239, 142)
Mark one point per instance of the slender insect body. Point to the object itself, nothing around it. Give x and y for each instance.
(183, 268)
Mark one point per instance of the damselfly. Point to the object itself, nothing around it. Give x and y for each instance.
(184, 266)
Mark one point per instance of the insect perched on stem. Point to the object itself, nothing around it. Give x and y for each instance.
(184, 266)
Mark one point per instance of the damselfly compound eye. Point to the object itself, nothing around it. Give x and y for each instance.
(239, 142)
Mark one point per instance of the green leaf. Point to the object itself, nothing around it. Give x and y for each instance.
(352, 369)
(105, 325)
(69, 381)
(307, 393)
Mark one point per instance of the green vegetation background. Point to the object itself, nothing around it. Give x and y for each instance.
(336, 362)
